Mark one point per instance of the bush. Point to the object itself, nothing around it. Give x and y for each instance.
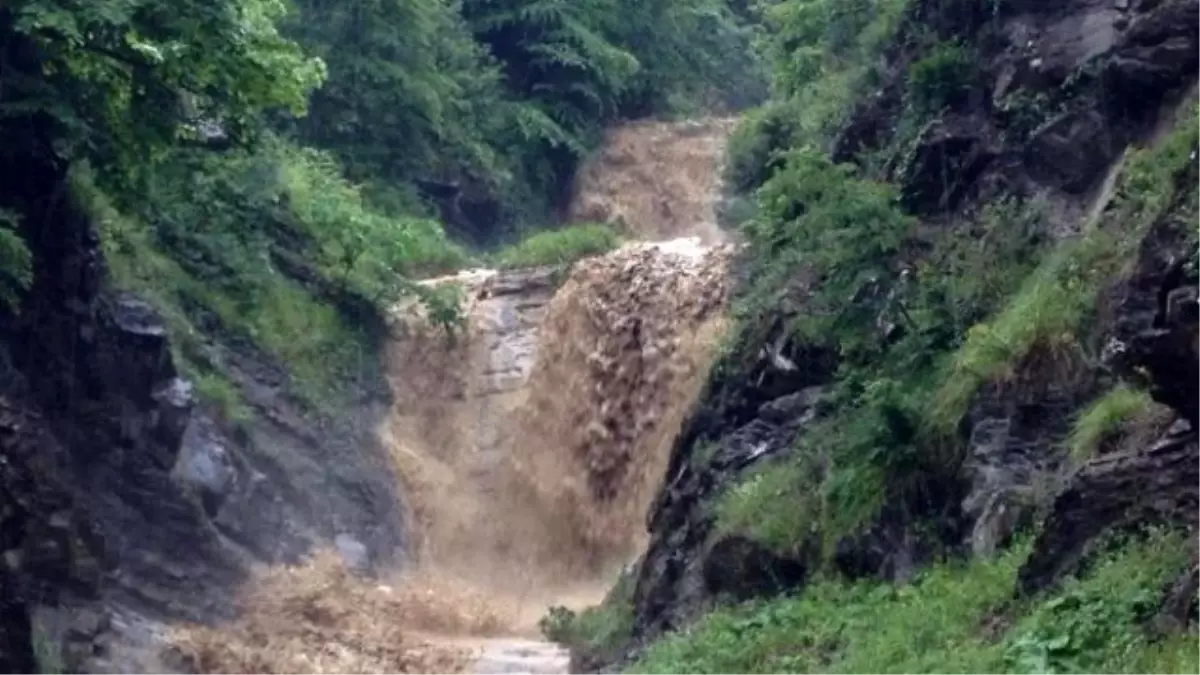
(941, 77)
(754, 145)
(751, 507)
(558, 247)
(596, 632)
(261, 244)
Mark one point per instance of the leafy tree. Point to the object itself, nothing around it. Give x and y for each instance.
(126, 78)
(410, 95)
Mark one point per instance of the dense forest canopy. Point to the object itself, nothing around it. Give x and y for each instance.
(353, 144)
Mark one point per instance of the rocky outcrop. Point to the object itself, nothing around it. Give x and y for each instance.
(1154, 342)
(1038, 118)
(740, 428)
(123, 503)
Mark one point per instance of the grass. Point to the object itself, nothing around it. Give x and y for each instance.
(751, 507)
(1051, 309)
(954, 617)
(558, 247)
(233, 282)
(1047, 311)
(596, 632)
(1105, 417)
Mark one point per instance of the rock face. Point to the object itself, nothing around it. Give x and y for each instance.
(1156, 335)
(121, 502)
(747, 417)
(1105, 74)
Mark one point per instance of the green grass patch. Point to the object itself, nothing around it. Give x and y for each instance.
(1047, 311)
(954, 617)
(232, 282)
(1051, 309)
(558, 247)
(596, 632)
(751, 507)
(1105, 417)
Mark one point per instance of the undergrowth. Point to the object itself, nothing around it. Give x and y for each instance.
(1051, 310)
(596, 633)
(954, 617)
(559, 246)
(16, 263)
(1106, 416)
(269, 245)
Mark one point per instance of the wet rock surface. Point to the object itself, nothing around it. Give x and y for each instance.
(1156, 338)
(122, 503)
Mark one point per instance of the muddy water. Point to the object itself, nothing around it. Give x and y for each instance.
(532, 445)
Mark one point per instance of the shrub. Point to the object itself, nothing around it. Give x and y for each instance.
(596, 632)
(559, 247)
(941, 77)
(953, 617)
(1105, 417)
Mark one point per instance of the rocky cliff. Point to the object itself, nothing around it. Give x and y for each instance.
(125, 503)
(1057, 94)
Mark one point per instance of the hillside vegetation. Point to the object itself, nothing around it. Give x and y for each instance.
(277, 174)
(901, 461)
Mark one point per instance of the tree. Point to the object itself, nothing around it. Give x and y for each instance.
(125, 79)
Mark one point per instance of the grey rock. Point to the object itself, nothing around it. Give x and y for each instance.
(354, 553)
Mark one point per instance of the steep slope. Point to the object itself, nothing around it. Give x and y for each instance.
(127, 503)
(907, 383)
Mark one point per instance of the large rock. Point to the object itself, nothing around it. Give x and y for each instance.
(1155, 340)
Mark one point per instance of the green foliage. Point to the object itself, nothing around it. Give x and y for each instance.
(596, 631)
(814, 219)
(823, 54)
(1105, 417)
(208, 242)
(16, 263)
(940, 77)
(409, 95)
(559, 247)
(1046, 313)
(751, 507)
(366, 249)
(1051, 309)
(502, 97)
(1094, 624)
(129, 78)
(941, 621)
(573, 66)
(762, 131)
(842, 230)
